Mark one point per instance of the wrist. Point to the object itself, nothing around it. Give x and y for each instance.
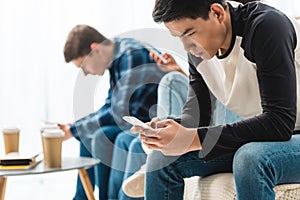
(181, 71)
(196, 145)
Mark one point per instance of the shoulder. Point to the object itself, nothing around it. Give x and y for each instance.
(260, 24)
(258, 18)
(129, 45)
(130, 49)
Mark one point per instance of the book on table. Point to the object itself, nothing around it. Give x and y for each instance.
(15, 160)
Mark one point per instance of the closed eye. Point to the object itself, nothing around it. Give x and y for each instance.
(190, 34)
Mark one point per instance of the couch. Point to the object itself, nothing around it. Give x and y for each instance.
(222, 187)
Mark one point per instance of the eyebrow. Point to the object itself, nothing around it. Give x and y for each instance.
(186, 31)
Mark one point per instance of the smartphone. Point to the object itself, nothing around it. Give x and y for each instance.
(136, 122)
(157, 53)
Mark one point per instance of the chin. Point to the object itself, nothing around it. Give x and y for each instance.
(206, 56)
(203, 55)
(101, 73)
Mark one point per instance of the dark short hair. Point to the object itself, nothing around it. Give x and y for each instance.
(79, 40)
(245, 1)
(170, 10)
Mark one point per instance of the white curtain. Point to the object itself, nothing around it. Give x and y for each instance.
(290, 7)
(35, 82)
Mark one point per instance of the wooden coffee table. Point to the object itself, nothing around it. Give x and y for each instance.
(80, 163)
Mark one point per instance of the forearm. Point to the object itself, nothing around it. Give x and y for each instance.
(196, 144)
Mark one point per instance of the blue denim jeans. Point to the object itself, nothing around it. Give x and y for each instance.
(124, 153)
(98, 145)
(165, 174)
(172, 94)
(128, 154)
(122, 169)
(257, 168)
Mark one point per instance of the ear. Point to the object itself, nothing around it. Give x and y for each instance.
(218, 11)
(94, 45)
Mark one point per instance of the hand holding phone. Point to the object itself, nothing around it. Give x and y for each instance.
(136, 122)
(156, 52)
(159, 55)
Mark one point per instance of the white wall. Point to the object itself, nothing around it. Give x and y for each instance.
(291, 7)
(35, 82)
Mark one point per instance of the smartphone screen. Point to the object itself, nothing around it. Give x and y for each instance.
(136, 122)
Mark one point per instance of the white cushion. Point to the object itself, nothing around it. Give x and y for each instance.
(221, 186)
(217, 186)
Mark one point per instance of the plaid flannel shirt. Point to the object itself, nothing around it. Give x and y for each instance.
(134, 78)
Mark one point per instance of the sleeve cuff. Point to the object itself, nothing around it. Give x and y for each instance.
(74, 132)
(202, 133)
(209, 137)
(178, 120)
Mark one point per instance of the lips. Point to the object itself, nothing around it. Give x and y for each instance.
(197, 54)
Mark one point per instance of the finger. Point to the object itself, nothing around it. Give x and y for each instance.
(166, 56)
(150, 132)
(168, 59)
(157, 59)
(164, 123)
(136, 129)
(154, 121)
(169, 122)
(154, 56)
(150, 140)
(62, 126)
(151, 54)
(152, 147)
(160, 124)
(161, 63)
(148, 123)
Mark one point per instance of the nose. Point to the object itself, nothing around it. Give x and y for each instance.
(187, 44)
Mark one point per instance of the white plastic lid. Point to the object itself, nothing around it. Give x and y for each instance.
(49, 126)
(53, 133)
(11, 129)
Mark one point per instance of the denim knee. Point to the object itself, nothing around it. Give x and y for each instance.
(136, 146)
(158, 161)
(172, 93)
(154, 159)
(124, 139)
(174, 75)
(249, 159)
(103, 142)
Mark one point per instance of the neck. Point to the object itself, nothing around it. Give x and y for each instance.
(228, 37)
(110, 53)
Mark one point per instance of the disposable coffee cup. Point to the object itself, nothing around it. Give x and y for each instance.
(11, 136)
(47, 127)
(52, 140)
